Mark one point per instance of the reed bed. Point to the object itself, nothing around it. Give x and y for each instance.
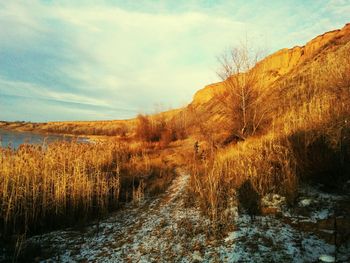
(66, 183)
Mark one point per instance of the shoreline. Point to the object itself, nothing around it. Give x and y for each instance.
(17, 127)
(85, 138)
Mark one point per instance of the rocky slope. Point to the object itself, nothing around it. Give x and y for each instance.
(286, 60)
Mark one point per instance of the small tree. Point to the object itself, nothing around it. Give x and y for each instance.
(243, 93)
(150, 128)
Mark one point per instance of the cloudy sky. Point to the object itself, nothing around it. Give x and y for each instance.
(89, 60)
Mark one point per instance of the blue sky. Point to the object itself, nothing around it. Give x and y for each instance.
(91, 60)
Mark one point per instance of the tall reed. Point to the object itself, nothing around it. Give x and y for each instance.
(63, 183)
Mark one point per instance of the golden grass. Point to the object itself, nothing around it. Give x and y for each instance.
(265, 163)
(307, 139)
(64, 183)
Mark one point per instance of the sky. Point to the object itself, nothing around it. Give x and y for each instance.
(101, 60)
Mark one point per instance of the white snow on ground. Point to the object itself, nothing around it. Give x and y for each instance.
(273, 200)
(305, 202)
(326, 258)
(166, 230)
(159, 231)
(268, 239)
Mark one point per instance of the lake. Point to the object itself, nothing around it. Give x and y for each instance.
(15, 138)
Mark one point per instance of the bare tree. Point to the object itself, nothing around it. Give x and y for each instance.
(243, 92)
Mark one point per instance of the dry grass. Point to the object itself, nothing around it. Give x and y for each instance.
(265, 163)
(307, 140)
(66, 183)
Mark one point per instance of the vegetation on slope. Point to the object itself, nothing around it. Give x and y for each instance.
(305, 137)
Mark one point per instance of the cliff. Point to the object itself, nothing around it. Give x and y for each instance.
(284, 61)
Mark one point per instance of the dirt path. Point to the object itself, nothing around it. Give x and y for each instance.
(166, 230)
(155, 231)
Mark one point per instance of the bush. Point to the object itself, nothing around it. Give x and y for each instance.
(248, 199)
(322, 157)
(156, 129)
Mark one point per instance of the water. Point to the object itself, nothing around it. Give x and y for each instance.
(14, 139)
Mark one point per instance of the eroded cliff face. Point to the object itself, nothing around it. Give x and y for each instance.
(283, 61)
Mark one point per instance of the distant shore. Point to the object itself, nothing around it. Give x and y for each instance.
(94, 130)
(26, 127)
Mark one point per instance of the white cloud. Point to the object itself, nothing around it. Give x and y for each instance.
(31, 91)
(133, 53)
(339, 8)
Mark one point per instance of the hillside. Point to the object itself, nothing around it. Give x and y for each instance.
(283, 71)
(287, 60)
(303, 137)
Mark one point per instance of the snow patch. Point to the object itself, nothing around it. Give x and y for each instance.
(305, 202)
(164, 229)
(326, 258)
(273, 200)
